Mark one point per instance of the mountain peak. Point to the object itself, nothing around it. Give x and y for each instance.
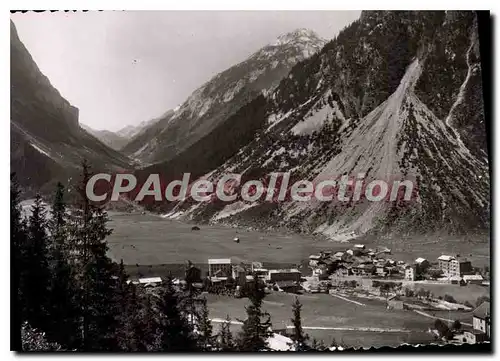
(300, 35)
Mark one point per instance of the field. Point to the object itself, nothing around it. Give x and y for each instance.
(328, 318)
(147, 239)
(153, 246)
(468, 293)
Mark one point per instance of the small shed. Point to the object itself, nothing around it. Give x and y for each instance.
(473, 279)
(151, 281)
(396, 303)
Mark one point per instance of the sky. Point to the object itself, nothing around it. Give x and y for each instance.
(124, 67)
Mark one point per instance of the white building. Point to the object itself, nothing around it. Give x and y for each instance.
(314, 259)
(481, 324)
(410, 273)
(448, 264)
(219, 267)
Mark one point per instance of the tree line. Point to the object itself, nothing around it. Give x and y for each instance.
(68, 295)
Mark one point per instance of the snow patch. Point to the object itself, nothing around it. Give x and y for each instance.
(40, 150)
(313, 122)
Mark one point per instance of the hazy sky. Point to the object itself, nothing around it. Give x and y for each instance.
(121, 68)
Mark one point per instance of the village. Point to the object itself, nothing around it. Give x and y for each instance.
(361, 273)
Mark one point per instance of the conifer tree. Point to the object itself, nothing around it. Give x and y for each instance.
(17, 242)
(148, 327)
(256, 328)
(37, 270)
(142, 325)
(127, 306)
(63, 309)
(205, 329)
(96, 273)
(298, 337)
(176, 331)
(226, 342)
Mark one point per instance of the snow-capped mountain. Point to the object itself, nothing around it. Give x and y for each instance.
(47, 142)
(397, 95)
(221, 97)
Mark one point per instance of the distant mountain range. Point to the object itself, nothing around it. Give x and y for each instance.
(117, 140)
(221, 97)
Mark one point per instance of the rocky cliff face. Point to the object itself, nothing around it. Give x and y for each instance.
(397, 95)
(221, 97)
(30, 89)
(47, 143)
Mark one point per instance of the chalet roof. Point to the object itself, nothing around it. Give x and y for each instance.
(279, 342)
(482, 311)
(420, 260)
(260, 270)
(445, 258)
(473, 278)
(219, 261)
(293, 270)
(150, 280)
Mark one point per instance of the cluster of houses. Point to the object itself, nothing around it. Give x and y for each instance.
(225, 274)
(355, 261)
(360, 261)
(221, 271)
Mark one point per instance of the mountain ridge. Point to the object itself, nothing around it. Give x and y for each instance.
(364, 104)
(220, 97)
(47, 143)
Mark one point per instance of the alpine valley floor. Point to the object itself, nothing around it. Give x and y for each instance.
(148, 239)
